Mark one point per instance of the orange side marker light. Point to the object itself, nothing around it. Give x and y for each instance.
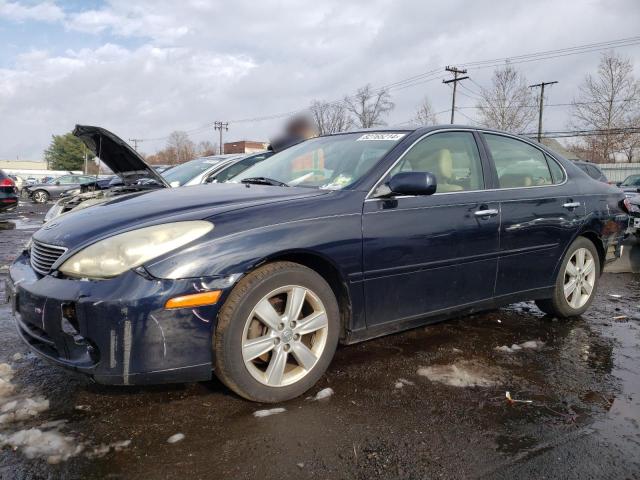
(194, 300)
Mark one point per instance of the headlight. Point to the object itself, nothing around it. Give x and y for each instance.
(112, 256)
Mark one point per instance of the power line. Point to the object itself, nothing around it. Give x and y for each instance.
(135, 142)
(541, 86)
(454, 80)
(480, 64)
(220, 126)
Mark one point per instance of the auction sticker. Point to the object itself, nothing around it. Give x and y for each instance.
(381, 136)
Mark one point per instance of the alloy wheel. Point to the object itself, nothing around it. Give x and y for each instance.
(284, 336)
(579, 278)
(40, 197)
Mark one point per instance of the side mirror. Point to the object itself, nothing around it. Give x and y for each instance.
(57, 183)
(413, 183)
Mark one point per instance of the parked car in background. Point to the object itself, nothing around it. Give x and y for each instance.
(134, 175)
(212, 169)
(18, 181)
(42, 192)
(343, 237)
(592, 170)
(633, 207)
(8, 193)
(630, 185)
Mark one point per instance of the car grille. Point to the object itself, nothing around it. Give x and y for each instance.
(43, 256)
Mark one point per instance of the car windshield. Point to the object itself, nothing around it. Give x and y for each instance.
(631, 181)
(333, 162)
(182, 173)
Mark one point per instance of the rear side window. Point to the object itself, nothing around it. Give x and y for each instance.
(557, 173)
(518, 164)
(452, 157)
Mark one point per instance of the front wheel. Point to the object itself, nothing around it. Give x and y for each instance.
(576, 283)
(40, 196)
(276, 333)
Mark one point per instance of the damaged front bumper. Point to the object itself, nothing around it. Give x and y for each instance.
(117, 330)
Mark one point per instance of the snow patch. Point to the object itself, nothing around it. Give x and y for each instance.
(6, 372)
(101, 450)
(323, 394)
(461, 374)
(266, 413)
(403, 382)
(175, 438)
(35, 443)
(17, 357)
(531, 345)
(22, 409)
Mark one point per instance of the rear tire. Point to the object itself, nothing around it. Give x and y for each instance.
(277, 333)
(577, 281)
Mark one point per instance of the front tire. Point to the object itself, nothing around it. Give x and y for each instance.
(40, 196)
(277, 333)
(577, 281)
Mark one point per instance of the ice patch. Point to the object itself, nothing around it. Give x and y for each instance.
(323, 394)
(266, 413)
(35, 443)
(531, 345)
(175, 438)
(462, 374)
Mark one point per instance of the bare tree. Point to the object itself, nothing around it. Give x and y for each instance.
(205, 148)
(181, 146)
(509, 103)
(425, 114)
(329, 117)
(368, 107)
(630, 141)
(610, 99)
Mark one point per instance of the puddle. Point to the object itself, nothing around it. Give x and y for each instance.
(462, 374)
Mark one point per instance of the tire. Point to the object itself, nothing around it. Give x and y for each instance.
(247, 362)
(40, 196)
(585, 276)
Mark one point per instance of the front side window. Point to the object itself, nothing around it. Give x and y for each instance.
(332, 162)
(66, 180)
(631, 181)
(452, 157)
(518, 164)
(181, 174)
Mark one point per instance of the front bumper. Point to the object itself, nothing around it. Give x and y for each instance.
(117, 330)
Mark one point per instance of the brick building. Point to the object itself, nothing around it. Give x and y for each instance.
(244, 146)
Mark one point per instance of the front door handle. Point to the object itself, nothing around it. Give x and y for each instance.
(491, 212)
(571, 205)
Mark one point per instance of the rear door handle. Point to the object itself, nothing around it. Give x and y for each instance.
(571, 205)
(491, 212)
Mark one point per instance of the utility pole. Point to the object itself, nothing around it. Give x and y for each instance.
(456, 71)
(220, 126)
(135, 142)
(541, 85)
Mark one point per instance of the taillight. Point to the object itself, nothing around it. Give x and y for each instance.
(7, 182)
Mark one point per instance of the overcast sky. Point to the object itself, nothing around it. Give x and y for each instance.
(147, 67)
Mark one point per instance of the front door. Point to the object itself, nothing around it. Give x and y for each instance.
(424, 254)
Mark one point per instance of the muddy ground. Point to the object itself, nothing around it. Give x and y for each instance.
(427, 403)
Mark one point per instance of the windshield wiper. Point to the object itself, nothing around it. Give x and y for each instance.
(264, 181)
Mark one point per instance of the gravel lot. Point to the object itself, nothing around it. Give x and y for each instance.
(425, 403)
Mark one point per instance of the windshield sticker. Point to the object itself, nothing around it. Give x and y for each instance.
(381, 136)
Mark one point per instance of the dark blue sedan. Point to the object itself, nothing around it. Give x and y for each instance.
(340, 238)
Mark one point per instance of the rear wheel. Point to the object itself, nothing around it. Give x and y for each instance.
(577, 281)
(40, 196)
(277, 333)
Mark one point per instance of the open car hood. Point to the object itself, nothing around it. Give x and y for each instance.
(117, 154)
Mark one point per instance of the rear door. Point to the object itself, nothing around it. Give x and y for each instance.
(541, 213)
(425, 254)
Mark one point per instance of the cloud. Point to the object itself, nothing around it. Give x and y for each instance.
(19, 12)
